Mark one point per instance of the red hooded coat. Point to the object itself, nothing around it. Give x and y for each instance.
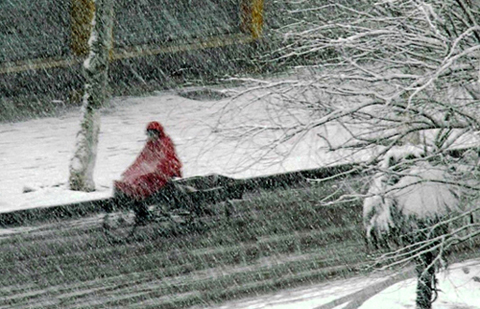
(153, 168)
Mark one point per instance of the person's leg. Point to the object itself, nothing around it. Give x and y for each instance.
(142, 214)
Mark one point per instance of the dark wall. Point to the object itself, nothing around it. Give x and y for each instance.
(41, 28)
(150, 21)
(34, 29)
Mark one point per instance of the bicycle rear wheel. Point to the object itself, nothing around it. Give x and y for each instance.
(120, 226)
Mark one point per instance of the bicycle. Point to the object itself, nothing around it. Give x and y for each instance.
(177, 207)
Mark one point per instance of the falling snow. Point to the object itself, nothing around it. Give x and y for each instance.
(314, 114)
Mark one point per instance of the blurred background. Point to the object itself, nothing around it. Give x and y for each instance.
(157, 45)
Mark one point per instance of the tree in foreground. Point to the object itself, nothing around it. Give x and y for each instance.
(424, 211)
(95, 70)
(368, 77)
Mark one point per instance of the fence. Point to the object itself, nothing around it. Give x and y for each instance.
(46, 34)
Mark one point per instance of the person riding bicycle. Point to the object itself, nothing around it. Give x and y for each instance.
(150, 173)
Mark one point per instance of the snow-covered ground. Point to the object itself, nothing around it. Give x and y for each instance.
(35, 155)
(459, 288)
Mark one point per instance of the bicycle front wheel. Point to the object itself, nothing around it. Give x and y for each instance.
(120, 226)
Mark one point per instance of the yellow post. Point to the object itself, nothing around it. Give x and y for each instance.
(252, 17)
(257, 18)
(81, 14)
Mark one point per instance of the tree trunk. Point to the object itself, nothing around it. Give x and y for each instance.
(425, 280)
(95, 69)
(81, 15)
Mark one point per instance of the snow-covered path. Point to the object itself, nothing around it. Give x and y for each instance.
(35, 154)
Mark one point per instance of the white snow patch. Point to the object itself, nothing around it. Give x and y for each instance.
(423, 194)
(37, 153)
(459, 288)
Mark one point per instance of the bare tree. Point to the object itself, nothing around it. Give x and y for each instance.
(95, 70)
(383, 74)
